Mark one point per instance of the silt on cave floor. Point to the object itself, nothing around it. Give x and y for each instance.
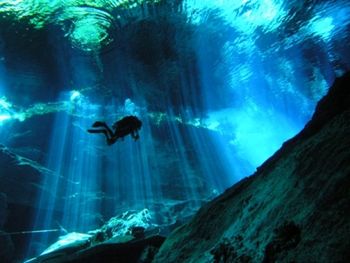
(218, 85)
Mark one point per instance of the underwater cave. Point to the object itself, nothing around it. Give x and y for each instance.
(219, 87)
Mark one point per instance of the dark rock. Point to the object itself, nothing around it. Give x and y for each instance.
(224, 252)
(3, 209)
(134, 251)
(137, 231)
(287, 237)
(148, 254)
(228, 251)
(21, 181)
(20, 177)
(295, 208)
(128, 252)
(7, 248)
(128, 237)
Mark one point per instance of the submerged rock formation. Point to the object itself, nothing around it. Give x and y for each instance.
(295, 208)
(130, 237)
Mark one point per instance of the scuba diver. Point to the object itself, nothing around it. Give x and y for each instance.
(127, 125)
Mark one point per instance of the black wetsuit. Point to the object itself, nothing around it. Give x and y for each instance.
(127, 125)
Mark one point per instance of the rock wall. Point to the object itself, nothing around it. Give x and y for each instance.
(21, 182)
(295, 208)
(6, 244)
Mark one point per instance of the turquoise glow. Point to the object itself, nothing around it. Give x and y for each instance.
(5, 109)
(323, 27)
(4, 104)
(4, 117)
(74, 95)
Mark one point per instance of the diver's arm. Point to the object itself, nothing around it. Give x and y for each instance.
(135, 135)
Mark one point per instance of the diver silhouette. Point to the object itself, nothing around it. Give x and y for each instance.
(127, 125)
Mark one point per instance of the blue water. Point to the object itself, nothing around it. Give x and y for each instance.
(218, 91)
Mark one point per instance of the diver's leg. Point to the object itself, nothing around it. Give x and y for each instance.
(96, 131)
(111, 134)
(111, 140)
(98, 124)
(100, 131)
(104, 125)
